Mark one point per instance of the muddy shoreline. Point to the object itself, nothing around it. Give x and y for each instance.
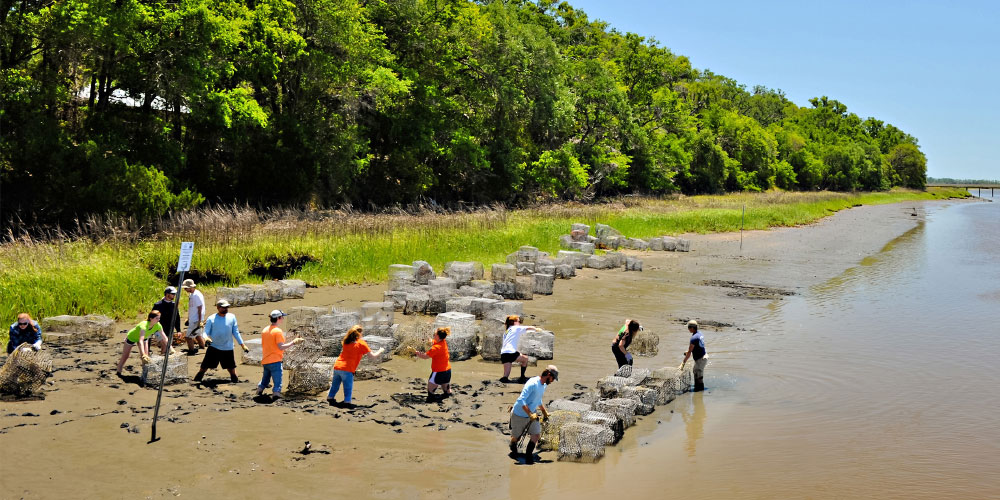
(88, 437)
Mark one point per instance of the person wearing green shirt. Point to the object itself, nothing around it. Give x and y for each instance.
(140, 335)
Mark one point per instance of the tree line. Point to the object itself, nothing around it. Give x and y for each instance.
(140, 107)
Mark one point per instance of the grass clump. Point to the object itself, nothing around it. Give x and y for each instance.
(114, 272)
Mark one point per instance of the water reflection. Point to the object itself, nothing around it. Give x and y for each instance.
(695, 422)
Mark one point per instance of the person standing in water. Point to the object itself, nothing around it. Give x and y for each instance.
(696, 350)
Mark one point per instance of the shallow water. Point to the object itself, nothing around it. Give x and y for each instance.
(879, 382)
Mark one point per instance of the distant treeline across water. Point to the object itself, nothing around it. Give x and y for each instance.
(138, 108)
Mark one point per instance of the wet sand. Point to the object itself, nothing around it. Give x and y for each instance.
(88, 437)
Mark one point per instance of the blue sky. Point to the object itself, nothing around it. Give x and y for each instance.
(931, 68)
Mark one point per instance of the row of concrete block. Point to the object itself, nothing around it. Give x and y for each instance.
(579, 431)
(269, 291)
(580, 239)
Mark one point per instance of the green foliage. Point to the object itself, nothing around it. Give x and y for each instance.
(385, 102)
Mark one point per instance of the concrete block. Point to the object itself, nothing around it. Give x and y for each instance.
(683, 245)
(602, 230)
(503, 273)
(256, 353)
(464, 332)
(599, 262)
(401, 276)
(637, 244)
(582, 247)
(617, 259)
(527, 253)
(669, 243)
(623, 409)
(416, 303)
(480, 305)
(501, 309)
(580, 442)
(633, 264)
(577, 235)
(460, 304)
(463, 272)
(275, 290)
(539, 344)
(542, 283)
(565, 240)
(177, 370)
(422, 272)
(523, 287)
(656, 244)
(565, 271)
(580, 227)
(397, 297)
(258, 294)
(578, 259)
(336, 325)
(525, 268)
(237, 297)
(438, 301)
(504, 289)
(309, 379)
(442, 284)
(293, 289)
(546, 269)
(490, 340)
(89, 327)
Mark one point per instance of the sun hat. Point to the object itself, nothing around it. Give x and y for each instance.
(189, 283)
(277, 313)
(222, 303)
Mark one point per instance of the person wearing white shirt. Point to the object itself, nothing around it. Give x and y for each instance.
(509, 353)
(196, 317)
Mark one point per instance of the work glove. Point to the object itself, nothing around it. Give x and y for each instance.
(534, 416)
(245, 348)
(298, 340)
(145, 360)
(545, 417)
(208, 341)
(173, 351)
(201, 324)
(25, 349)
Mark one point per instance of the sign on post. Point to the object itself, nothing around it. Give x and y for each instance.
(184, 262)
(183, 265)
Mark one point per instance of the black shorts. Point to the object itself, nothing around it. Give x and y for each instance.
(509, 357)
(129, 342)
(440, 378)
(215, 357)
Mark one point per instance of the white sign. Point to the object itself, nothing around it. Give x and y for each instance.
(184, 262)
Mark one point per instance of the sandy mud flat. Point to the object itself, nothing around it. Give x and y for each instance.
(88, 437)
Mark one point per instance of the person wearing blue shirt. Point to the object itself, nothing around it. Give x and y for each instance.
(221, 329)
(24, 331)
(523, 417)
(696, 350)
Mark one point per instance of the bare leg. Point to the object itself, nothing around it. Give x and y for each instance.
(506, 370)
(125, 352)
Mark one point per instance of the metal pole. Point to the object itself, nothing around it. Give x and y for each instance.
(166, 356)
(742, 218)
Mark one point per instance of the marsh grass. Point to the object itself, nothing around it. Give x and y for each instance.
(110, 266)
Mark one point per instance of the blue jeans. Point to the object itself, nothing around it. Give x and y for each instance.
(271, 370)
(347, 378)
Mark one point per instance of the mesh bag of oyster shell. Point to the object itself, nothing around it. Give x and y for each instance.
(581, 442)
(25, 371)
(550, 428)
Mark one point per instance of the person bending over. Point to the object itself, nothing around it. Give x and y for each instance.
(440, 364)
(508, 352)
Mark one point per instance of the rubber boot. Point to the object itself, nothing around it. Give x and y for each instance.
(699, 384)
(529, 453)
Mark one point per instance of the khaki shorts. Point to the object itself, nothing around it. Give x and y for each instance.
(191, 330)
(699, 367)
(518, 423)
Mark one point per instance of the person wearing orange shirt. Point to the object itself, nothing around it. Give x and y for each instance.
(440, 364)
(272, 341)
(347, 363)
